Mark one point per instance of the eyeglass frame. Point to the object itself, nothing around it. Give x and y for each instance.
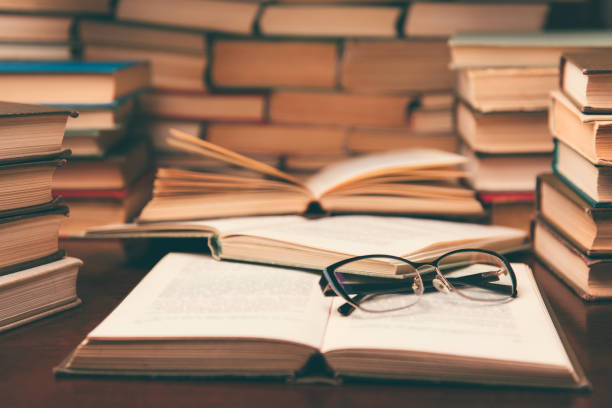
(332, 281)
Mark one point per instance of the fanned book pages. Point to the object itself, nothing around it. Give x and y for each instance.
(316, 243)
(403, 182)
(182, 320)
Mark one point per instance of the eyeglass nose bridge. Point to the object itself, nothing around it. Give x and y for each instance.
(438, 282)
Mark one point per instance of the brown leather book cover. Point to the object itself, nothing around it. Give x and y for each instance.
(12, 110)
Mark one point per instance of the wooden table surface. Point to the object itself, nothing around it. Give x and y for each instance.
(28, 354)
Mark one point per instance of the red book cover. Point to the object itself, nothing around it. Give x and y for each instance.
(504, 197)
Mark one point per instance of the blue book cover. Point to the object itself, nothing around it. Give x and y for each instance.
(65, 67)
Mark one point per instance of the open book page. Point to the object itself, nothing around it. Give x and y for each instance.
(194, 145)
(520, 330)
(363, 234)
(366, 166)
(212, 226)
(189, 296)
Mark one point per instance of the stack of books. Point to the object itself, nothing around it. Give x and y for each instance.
(35, 278)
(105, 179)
(299, 86)
(43, 29)
(503, 83)
(572, 230)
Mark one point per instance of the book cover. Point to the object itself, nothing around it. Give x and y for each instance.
(559, 38)
(587, 260)
(44, 159)
(589, 63)
(574, 187)
(12, 110)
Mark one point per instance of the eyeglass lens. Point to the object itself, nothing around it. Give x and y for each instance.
(376, 294)
(472, 274)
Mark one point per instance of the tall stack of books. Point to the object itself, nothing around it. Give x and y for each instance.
(503, 83)
(105, 179)
(35, 278)
(572, 233)
(298, 85)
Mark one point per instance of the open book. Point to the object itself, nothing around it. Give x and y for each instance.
(192, 316)
(403, 182)
(296, 241)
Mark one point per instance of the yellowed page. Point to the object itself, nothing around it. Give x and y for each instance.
(370, 165)
(194, 145)
(212, 226)
(520, 330)
(364, 234)
(189, 296)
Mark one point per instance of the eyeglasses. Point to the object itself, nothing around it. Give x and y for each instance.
(474, 274)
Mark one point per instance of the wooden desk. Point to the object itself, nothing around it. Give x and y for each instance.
(28, 354)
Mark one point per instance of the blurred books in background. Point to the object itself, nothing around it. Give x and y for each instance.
(572, 231)
(35, 277)
(297, 86)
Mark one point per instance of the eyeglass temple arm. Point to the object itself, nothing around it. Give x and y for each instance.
(474, 280)
(347, 309)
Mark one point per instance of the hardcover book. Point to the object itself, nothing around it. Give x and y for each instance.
(316, 243)
(403, 182)
(91, 208)
(329, 20)
(28, 131)
(443, 18)
(273, 63)
(29, 234)
(119, 169)
(589, 277)
(63, 82)
(523, 49)
(590, 181)
(204, 106)
(504, 172)
(588, 134)
(507, 89)
(224, 16)
(38, 291)
(395, 66)
(182, 321)
(504, 132)
(26, 184)
(575, 218)
(586, 77)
